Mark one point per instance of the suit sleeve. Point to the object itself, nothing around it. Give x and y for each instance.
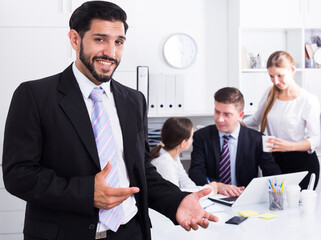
(163, 196)
(266, 161)
(24, 173)
(198, 171)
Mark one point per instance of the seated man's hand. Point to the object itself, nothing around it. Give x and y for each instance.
(229, 190)
(107, 197)
(214, 187)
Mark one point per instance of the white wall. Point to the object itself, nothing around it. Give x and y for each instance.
(205, 21)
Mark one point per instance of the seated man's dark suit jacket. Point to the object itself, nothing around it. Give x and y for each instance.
(50, 158)
(206, 156)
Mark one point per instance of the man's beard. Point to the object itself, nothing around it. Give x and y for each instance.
(90, 65)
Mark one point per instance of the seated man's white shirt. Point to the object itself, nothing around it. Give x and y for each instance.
(232, 144)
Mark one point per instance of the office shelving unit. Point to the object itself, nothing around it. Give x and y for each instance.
(262, 27)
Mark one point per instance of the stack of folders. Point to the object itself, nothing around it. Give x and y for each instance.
(166, 93)
(154, 134)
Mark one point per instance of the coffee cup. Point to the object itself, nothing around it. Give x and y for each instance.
(309, 199)
(266, 144)
(292, 192)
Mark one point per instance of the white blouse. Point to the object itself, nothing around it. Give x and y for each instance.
(295, 120)
(173, 171)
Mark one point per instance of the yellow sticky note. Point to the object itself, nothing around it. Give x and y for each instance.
(268, 215)
(248, 213)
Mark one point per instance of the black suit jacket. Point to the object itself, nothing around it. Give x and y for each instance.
(206, 156)
(50, 158)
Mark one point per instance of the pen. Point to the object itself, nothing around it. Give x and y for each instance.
(209, 205)
(272, 186)
(208, 181)
(276, 185)
(282, 185)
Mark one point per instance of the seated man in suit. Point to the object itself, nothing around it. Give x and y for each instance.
(228, 152)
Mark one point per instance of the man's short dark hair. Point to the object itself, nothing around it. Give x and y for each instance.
(229, 95)
(82, 17)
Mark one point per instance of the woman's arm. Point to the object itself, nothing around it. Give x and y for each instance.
(279, 145)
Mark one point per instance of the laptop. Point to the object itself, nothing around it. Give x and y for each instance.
(257, 190)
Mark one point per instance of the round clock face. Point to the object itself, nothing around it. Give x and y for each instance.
(180, 50)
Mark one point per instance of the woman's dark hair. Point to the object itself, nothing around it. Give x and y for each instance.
(174, 131)
(81, 18)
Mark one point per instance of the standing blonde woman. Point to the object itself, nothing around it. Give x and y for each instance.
(177, 137)
(292, 116)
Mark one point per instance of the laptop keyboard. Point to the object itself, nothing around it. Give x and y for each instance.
(229, 199)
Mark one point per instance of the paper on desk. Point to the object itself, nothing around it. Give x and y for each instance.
(248, 213)
(211, 206)
(252, 213)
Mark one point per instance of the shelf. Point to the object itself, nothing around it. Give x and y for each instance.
(312, 69)
(264, 70)
(254, 70)
(183, 114)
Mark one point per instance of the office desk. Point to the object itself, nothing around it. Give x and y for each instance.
(289, 224)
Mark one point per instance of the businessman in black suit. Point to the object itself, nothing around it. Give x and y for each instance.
(245, 147)
(50, 157)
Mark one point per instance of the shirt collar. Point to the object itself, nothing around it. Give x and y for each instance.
(85, 85)
(234, 134)
(163, 151)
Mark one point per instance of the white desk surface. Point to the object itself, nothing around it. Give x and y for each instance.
(291, 223)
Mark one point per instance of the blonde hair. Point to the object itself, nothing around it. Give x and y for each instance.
(279, 59)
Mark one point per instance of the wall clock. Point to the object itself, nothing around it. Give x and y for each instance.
(180, 50)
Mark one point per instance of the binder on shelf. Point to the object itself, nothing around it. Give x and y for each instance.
(152, 103)
(161, 93)
(143, 81)
(179, 93)
(170, 106)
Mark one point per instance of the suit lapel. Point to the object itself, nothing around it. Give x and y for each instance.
(240, 146)
(74, 107)
(217, 150)
(126, 110)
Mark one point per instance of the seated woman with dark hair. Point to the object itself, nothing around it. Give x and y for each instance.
(177, 137)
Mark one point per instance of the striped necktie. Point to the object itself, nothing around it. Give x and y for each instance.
(106, 152)
(225, 162)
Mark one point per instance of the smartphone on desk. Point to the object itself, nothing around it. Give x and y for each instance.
(236, 220)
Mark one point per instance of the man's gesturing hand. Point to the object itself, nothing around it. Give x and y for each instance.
(190, 213)
(107, 197)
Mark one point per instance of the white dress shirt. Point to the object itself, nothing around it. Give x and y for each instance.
(86, 86)
(232, 145)
(173, 171)
(296, 120)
